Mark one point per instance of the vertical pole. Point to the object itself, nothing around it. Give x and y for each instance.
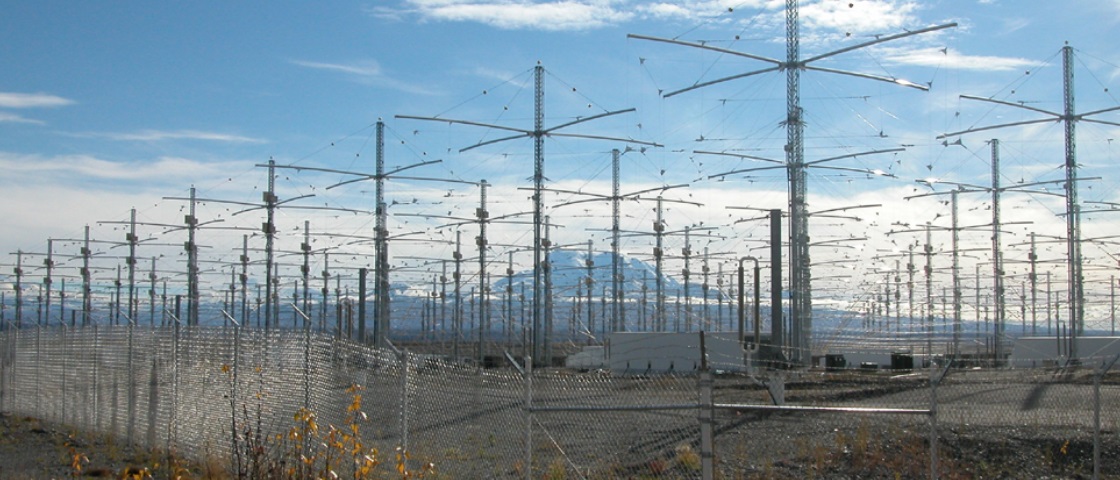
(192, 259)
(546, 335)
(87, 305)
(687, 252)
(705, 316)
(928, 319)
(269, 228)
(19, 287)
(618, 320)
(483, 317)
(935, 378)
(362, 274)
(131, 262)
(742, 301)
(590, 280)
(152, 294)
(707, 443)
(1033, 257)
(404, 400)
(245, 280)
(800, 292)
(381, 312)
(757, 306)
(49, 263)
(659, 232)
(956, 277)
(997, 261)
(538, 207)
(776, 330)
(528, 418)
(1073, 210)
(457, 322)
(305, 269)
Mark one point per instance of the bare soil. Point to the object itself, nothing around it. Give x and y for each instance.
(33, 449)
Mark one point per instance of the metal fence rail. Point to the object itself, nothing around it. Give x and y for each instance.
(202, 392)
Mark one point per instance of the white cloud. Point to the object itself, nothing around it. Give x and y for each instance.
(367, 72)
(31, 169)
(950, 58)
(162, 135)
(32, 100)
(560, 15)
(6, 117)
(365, 68)
(860, 17)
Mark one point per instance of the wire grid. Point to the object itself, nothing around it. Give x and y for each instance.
(175, 389)
(756, 443)
(1044, 415)
(617, 426)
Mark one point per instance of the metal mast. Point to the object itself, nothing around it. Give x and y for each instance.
(1073, 210)
(537, 133)
(192, 257)
(131, 261)
(538, 213)
(457, 318)
(269, 228)
(800, 277)
(801, 300)
(19, 288)
(244, 280)
(618, 321)
(305, 269)
(381, 311)
(658, 230)
(1069, 118)
(997, 260)
(956, 276)
(483, 304)
(87, 304)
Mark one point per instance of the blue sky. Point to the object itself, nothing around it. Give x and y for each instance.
(106, 106)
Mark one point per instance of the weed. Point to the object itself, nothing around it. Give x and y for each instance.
(687, 458)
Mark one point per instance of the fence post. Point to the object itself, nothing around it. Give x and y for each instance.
(403, 355)
(528, 417)
(1097, 377)
(153, 403)
(132, 386)
(707, 442)
(97, 378)
(933, 381)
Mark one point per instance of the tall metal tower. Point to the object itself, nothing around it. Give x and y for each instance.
(1069, 118)
(801, 298)
(538, 133)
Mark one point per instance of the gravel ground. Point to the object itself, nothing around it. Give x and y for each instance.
(32, 449)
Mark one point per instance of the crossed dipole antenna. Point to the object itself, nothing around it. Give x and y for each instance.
(538, 134)
(1069, 118)
(800, 290)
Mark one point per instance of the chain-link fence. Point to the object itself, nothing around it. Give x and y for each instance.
(207, 393)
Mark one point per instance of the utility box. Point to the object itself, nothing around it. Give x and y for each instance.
(902, 361)
(834, 362)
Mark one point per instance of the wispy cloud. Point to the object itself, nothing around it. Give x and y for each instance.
(6, 117)
(555, 15)
(32, 100)
(165, 135)
(21, 168)
(367, 71)
(364, 68)
(950, 58)
(862, 17)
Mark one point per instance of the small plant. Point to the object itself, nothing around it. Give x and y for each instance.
(687, 458)
(310, 450)
(78, 460)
